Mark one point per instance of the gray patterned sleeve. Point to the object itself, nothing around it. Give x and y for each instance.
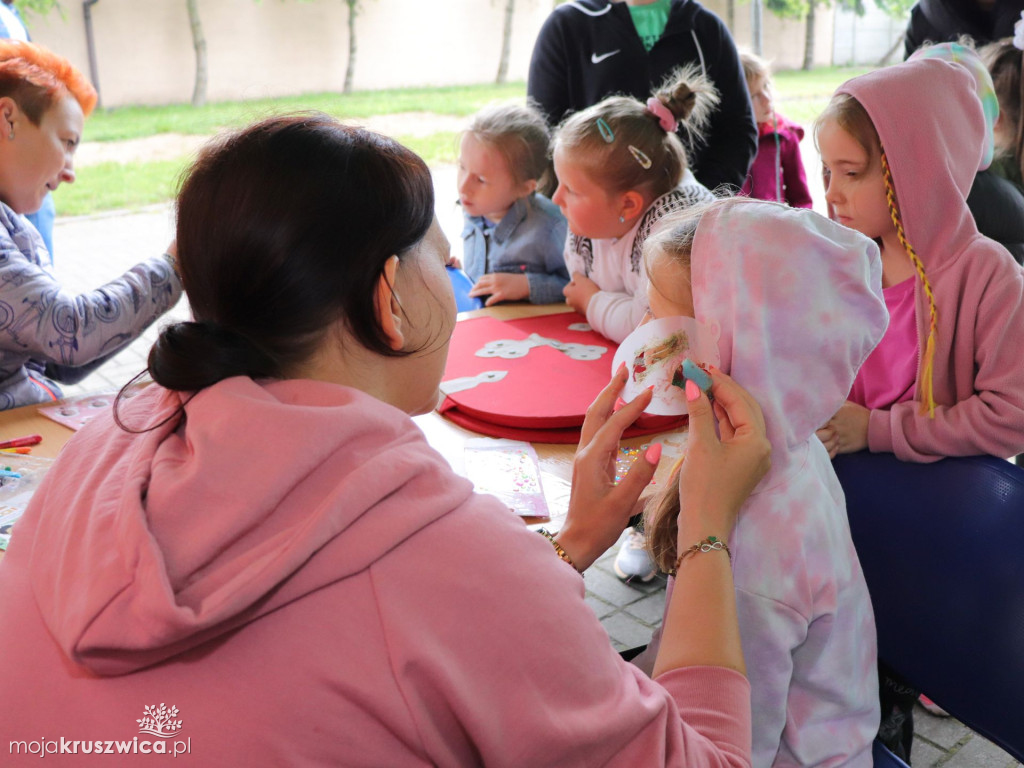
(40, 320)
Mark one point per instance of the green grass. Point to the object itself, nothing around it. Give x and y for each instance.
(135, 122)
(111, 186)
(801, 96)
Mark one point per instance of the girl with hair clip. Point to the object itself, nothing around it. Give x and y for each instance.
(946, 380)
(798, 300)
(621, 167)
(46, 334)
(514, 236)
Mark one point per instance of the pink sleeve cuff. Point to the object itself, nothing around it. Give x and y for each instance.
(880, 431)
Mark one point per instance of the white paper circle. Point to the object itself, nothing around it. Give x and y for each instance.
(655, 351)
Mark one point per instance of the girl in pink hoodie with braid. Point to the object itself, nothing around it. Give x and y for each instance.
(946, 379)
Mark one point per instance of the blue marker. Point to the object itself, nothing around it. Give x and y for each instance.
(8, 473)
(697, 375)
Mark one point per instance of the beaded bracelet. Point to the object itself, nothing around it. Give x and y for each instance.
(710, 544)
(558, 548)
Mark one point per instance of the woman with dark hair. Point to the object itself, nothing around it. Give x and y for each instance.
(266, 544)
(46, 334)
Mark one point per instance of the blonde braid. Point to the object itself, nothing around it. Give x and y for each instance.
(927, 391)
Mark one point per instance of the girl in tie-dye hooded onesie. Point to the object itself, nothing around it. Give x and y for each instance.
(799, 302)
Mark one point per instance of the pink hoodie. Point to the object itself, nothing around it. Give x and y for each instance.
(931, 125)
(799, 302)
(294, 577)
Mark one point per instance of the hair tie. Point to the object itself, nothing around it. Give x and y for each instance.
(666, 119)
(1018, 33)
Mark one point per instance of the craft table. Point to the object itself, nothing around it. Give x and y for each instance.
(446, 437)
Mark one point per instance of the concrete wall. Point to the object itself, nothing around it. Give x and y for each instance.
(782, 39)
(281, 47)
(867, 39)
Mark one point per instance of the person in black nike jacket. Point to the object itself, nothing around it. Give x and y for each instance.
(589, 49)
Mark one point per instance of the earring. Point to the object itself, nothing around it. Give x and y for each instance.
(10, 136)
(622, 219)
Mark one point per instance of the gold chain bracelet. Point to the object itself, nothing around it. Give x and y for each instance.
(558, 549)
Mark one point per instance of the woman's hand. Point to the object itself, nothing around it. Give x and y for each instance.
(579, 292)
(598, 508)
(847, 431)
(719, 473)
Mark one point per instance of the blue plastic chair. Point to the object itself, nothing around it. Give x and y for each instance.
(883, 758)
(461, 283)
(942, 547)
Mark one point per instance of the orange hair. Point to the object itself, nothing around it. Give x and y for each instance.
(37, 78)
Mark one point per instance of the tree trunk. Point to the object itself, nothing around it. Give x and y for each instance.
(896, 45)
(350, 70)
(730, 15)
(809, 39)
(506, 42)
(199, 43)
(756, 17)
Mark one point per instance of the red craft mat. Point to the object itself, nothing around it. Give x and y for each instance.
(545, 394)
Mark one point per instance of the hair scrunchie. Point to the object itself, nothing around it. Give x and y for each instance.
(666, 119)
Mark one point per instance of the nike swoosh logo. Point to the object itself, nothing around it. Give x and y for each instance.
(595, 59)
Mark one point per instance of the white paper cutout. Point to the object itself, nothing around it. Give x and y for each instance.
(511, 349)
(654, 352)
(469, 382)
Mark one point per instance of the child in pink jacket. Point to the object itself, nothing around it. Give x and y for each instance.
(777, 172)
(946, 380)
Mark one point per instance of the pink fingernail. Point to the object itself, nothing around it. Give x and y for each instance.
(620, 369)
(692, 391)
(653, 453)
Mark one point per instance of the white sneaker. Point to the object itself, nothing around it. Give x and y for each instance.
(633, 560)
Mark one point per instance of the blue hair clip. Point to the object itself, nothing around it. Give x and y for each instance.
(697, 375)
(605, 130)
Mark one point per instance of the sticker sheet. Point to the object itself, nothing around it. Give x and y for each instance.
(16, 492)
(508, 469)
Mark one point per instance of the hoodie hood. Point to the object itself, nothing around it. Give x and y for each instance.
(931, 125)
(799, 302)
(156, 542)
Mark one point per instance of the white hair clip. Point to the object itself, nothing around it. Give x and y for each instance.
(640, 157)
(1018, 33)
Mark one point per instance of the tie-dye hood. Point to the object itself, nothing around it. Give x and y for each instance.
(799, 301)
(934, 141)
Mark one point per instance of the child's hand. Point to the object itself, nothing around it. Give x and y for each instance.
(847, 431)
(579, 292)
(501, 286)
(453, 261)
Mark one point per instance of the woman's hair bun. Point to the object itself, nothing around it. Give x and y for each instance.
(188, 356)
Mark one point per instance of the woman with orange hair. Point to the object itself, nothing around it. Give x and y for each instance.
(46, 333)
